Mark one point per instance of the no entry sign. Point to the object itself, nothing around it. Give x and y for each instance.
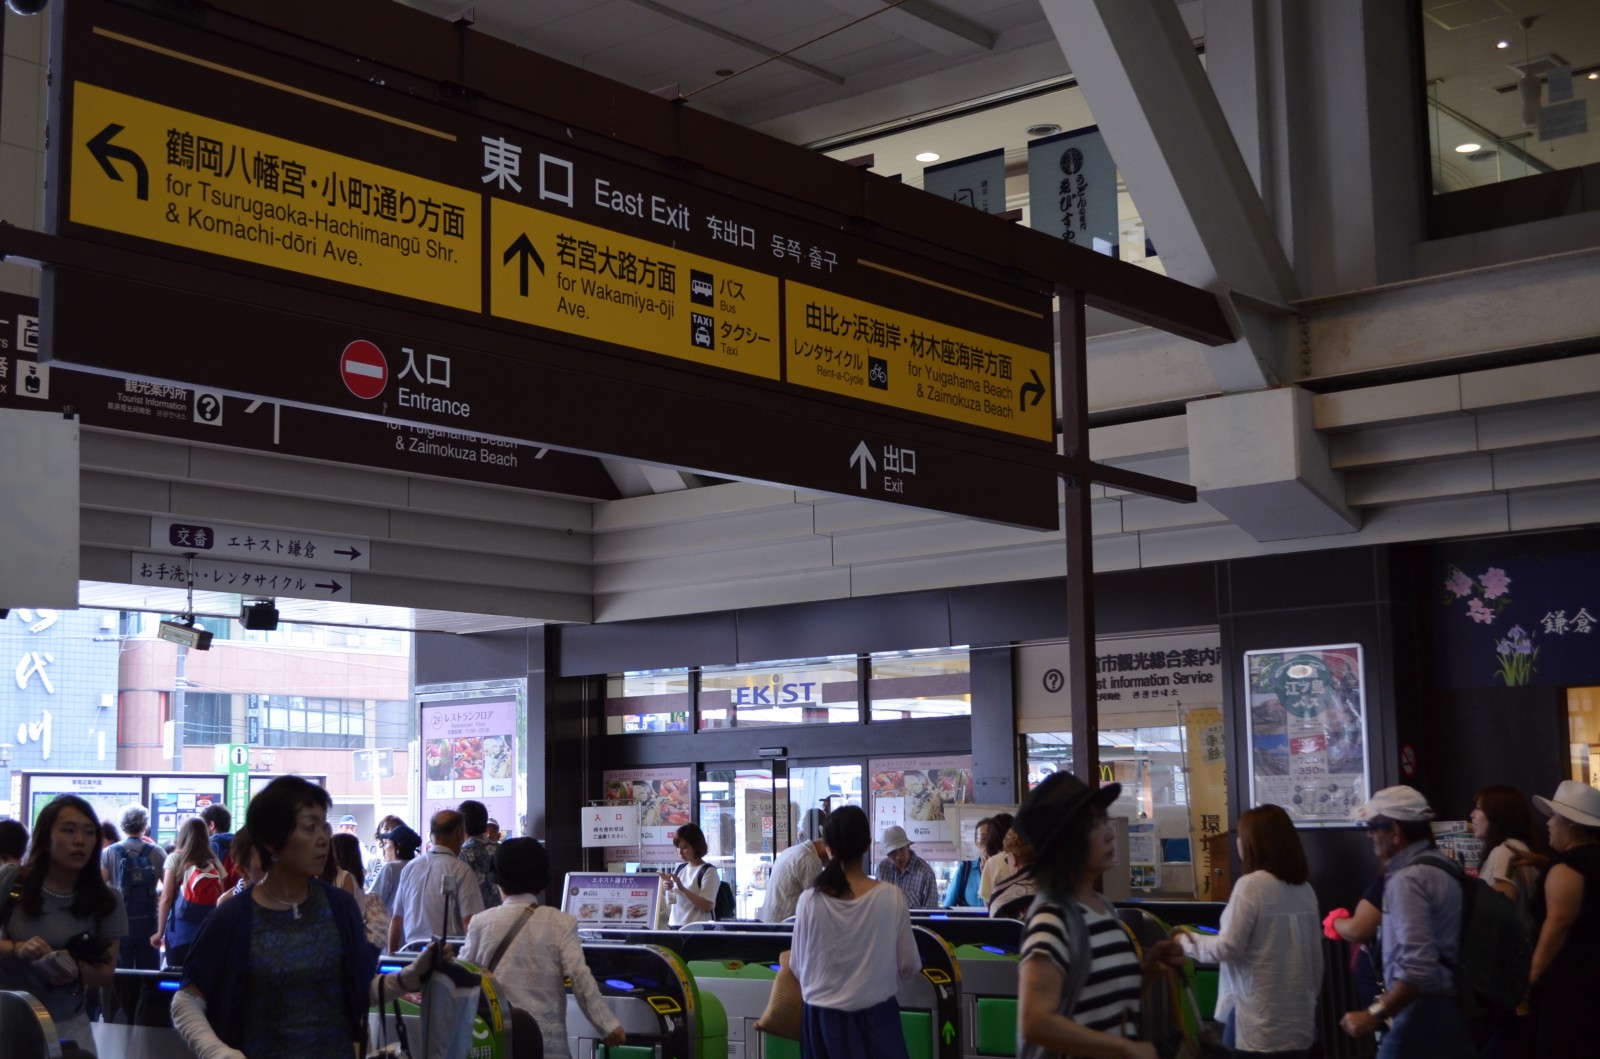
(364, 369)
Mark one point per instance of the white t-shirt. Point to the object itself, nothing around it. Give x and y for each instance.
(850, 953)
(1270, 949)
(682, 910)
(795, 869)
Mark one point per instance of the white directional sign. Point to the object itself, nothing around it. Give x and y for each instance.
(247, 579)
(257, 544)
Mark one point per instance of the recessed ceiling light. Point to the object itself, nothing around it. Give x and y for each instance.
(1502, 44)
(1047, 129)
(1468, 148)
(1594, 77)
(928, 156)
(724, 72)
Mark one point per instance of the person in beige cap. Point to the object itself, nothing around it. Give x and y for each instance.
(906, 870)
(1566, 960)
(1421, 936)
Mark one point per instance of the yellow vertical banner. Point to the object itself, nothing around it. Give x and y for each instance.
(1208, 790)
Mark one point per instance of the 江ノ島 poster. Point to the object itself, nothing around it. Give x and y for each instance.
(1308, 732)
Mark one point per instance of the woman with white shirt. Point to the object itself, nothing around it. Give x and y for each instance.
(543, 949)
(852, 947)
(692, 889)
(1268, 944)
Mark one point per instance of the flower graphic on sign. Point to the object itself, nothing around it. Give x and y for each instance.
(1486, 599)
(1517, 655)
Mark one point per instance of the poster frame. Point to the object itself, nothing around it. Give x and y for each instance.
(426, 696)
(1359, 703)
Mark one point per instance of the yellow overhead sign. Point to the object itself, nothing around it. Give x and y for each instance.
(164, 174)
(865, 351)
(552, 271)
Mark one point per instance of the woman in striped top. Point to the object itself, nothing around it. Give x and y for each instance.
(1065, 822)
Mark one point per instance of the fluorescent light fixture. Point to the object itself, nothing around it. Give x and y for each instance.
(928, 156)
(1468, 148)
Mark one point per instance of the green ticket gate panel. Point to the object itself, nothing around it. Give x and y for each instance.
(656, 1000)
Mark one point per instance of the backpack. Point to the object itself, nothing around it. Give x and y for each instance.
(136, 879)
(725, 907)
(1491, 966)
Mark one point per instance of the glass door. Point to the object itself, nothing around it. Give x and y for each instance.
(753, 812)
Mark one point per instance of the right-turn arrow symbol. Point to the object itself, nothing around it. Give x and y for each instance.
(104, 151)
(1036, 387)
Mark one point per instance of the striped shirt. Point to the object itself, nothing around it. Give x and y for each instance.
(1114, 979)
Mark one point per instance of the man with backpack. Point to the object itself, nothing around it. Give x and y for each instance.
(1423, 909)
(219, 824)
(133, 868)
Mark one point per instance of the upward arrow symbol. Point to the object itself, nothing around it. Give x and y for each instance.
(523, 248)
(863, 456)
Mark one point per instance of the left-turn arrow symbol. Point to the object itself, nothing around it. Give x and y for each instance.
(104, 152)
(523, 246)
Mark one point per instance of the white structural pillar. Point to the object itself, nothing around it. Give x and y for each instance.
(39, 517)
(1138, 71)
(1257, 459)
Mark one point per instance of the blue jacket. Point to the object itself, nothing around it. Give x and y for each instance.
(216, 965)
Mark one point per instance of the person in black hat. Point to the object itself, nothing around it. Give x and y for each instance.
(1064, 821)
(400, 845)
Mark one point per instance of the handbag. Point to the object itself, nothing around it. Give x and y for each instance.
(1171, 1018)
(785, 1005)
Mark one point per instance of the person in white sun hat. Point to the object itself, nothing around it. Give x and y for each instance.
(1566, 960)
(1421, 936)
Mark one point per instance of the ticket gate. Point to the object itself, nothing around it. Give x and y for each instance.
(987, 952)
(26, 1027)
(665, 1012)
(930, 1004)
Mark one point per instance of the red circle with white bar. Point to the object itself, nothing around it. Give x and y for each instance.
(364, 369)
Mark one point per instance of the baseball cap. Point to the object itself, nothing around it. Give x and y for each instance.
(403, 837)
(894, 837)
(1396, 803)
(347, 821)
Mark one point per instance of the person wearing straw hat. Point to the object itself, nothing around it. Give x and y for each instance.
(901, 866)
(1421, 936)
(1566, 960)
(1064, 820)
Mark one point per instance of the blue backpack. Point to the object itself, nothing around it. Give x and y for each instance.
(136, 879)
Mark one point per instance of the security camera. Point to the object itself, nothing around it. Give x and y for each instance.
(27, 7)
(185, 633)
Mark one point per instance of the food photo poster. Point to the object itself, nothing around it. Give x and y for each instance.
(663, 798)
(914, 793)
(469, 751)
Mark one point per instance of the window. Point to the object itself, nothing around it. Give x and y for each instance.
(650, 700)
(1583, 727)
(329, 723)
(805, 691)
(914, 685)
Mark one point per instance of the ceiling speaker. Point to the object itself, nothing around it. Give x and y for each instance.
(260, 616)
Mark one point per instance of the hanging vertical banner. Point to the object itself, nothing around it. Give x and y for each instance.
(978, 180)
(914, 792)
(1308, 732)
(662, 798)
(1072, 189)
(1207, 761)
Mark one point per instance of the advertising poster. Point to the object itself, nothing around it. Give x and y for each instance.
(1206, 757)
(469, 751)
(1072, 189)
(1455, 841)
(1144, 861)
(913, 792)
(663, 799)
(600, 900)
(1308, 732)
(108, 794)
(173, 799)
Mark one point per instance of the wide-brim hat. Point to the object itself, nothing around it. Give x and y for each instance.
(895, 837)
(1051, 809)
(1575, 800)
